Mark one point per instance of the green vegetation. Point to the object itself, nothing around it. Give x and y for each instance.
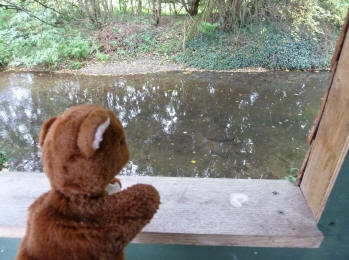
(206, 34)
(160, 43)
(27, 41)
(3, 159)
(292, 177)
(258, 46)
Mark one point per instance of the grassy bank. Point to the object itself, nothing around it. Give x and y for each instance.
(265, 46)
(54, 42)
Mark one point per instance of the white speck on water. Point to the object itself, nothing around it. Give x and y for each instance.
(253, 97)
(2, 250)
(237, 199)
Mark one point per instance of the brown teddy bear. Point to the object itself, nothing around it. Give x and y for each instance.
(83, 150)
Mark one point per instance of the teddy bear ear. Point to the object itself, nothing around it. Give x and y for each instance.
(91, 132)
(44, 130)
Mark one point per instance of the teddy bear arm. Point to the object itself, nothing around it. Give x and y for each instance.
(133, 208)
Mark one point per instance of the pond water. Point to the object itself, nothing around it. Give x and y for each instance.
(202, 124)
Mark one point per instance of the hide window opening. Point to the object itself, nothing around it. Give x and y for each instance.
(231, 212)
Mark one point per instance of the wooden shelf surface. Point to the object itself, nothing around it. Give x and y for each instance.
(193, 211)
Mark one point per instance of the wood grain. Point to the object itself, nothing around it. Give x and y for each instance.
(334, 62)
(330, 145)
(193, 211)
(315, 126)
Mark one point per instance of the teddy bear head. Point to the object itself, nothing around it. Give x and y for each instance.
(83, 149)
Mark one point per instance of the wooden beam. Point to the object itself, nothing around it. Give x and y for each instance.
(330, 140)
(194, 211)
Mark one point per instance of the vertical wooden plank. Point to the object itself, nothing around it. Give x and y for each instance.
(315, 126)
(334, 62)
(332, 138)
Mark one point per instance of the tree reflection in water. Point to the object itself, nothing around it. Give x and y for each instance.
(234, 125)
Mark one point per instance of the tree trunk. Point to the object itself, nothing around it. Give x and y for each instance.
(159, 8)
(106, 14)
(139, 7)
(174, 8)
(155, 16)
(132, 8)
(111, 8)
(194, 7)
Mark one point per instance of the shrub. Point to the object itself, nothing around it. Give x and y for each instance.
(75, 65)
(102, 57)
(27, 41)
(5, 53)
(3, 159)
(207, 28)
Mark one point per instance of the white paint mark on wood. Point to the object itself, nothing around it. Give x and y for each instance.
(237, 199)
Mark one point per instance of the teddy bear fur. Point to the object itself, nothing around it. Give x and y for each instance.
(77, 219)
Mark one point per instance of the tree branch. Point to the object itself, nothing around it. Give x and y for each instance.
(51, 8)
(19, 8)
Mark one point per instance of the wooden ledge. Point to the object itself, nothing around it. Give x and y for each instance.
(229, 212)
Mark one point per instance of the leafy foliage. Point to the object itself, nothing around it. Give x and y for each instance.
(208, 28)
(292, 177)
(141, 42)
(148, 42)
(75, 65)
(283, 34)
(27, 41)
(3, 159)
(261, 46)
(102, 57)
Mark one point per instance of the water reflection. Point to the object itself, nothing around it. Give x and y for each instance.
(202, 124)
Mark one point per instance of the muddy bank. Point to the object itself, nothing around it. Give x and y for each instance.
(143, 65)
(140, 66)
